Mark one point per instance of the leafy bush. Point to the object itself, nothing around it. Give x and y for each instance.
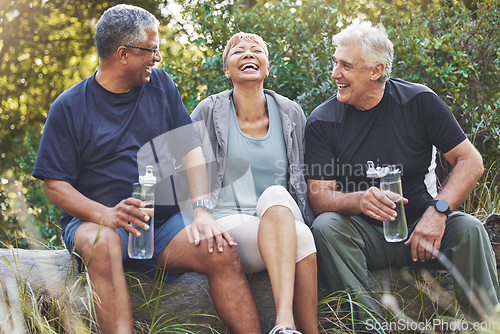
(451, 46)
(45, 48)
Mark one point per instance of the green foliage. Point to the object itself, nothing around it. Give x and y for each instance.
(451, 46)
(45, 47)
(299, 45)
(445, 45)
(455, 51)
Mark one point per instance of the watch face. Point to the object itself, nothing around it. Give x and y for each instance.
(442, 206)
(205, 203)
(209, 206)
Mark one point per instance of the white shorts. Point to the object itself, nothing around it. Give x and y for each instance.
(244, 229)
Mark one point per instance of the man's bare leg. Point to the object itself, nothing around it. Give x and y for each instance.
(102, 250)
(231, 294)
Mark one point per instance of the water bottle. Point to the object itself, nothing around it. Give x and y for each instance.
(397, 230)
(390, 183)
(142, 247)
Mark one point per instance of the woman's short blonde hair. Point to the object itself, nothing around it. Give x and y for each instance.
(236, 39)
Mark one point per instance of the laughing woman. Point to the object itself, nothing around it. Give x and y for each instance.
(256, 137)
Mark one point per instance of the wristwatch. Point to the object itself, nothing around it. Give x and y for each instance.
(204, 203)
(441, 206)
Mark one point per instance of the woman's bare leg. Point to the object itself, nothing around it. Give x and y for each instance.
(277, 245)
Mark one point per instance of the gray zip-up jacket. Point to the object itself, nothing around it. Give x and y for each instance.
(211, 118)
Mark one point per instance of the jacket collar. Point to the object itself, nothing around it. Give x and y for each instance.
(222, 106)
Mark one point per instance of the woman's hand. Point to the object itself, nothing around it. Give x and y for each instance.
(205, 227)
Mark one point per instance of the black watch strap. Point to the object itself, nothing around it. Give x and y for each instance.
(441, 206)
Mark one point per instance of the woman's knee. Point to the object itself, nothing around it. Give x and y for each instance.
(277, 196)
(305, 241)
(275, 191)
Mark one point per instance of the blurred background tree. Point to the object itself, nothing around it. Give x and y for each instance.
(46, 46)
(452, 46)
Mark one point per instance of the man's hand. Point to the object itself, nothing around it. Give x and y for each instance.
(426, 239)
(71, 201)
(375, 203)
(205, 227)
(125, 212)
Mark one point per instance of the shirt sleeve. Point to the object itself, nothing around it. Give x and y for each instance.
(442, 127)
(58, 155)
(319, 153)
(182, 137)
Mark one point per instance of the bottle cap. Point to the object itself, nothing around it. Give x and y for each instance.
(380, 172)
(373, 172)
(392, 170)
(147, 178)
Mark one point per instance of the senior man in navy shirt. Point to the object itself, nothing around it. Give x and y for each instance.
(88, 158)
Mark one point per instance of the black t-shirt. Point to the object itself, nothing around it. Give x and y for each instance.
(404, 129)
(92, 137)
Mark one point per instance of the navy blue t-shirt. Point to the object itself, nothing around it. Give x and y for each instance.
(404, 129)
(92, 136)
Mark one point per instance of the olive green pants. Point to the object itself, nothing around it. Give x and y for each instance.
(349, 246)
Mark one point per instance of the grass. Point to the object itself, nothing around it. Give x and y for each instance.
(411, 298)
(73, 311)
(37, 310)
(416, 301)
(148, 295)
(424, 296)
(485, 199)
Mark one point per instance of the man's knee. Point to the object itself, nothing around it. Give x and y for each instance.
(103, 243)
(464, 227)
(329, 223)
(229, 259)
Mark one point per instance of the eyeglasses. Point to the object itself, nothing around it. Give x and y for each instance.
(154, 51)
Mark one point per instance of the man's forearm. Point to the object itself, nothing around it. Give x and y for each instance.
(460, 184)
(71, 201)
(468, 168)
(327, 200)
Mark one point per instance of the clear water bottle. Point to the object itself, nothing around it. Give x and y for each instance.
(390, 183)
(142, 247)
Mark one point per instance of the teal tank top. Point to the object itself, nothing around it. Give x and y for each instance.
(253, 164)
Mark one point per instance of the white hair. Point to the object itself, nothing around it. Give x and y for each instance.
(375, 44)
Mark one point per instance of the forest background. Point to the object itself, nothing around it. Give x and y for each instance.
(46, 46)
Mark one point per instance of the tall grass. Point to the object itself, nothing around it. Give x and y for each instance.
(74, 310)
(485, 199)
(415, 301)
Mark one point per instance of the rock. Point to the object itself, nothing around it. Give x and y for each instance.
(52, 276)
(22, 271)
(492, 226)
(52, 273)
